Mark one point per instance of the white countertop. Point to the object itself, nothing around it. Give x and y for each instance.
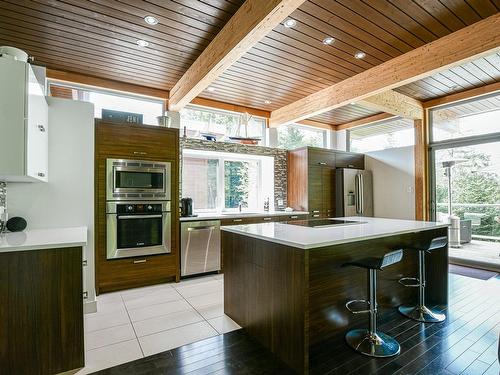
(36, 239)
(310, 238)
(236, 215)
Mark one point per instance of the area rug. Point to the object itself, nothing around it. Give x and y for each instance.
(472, 272)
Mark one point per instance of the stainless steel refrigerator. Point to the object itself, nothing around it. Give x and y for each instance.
(354, 192)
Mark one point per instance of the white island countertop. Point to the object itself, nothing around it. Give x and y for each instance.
(36, 239)
(310, 238)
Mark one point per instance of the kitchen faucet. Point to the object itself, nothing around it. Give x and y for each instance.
(239, 206)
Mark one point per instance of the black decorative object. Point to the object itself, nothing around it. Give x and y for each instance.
(16, 224)
(119, 116)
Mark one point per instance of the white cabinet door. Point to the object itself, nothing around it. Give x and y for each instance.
(37, 131)
(12, 116)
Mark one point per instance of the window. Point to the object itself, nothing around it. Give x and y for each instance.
(294, 136)
(219, 181)
(381, 136)
(105, 99)
(472, 118)
(223, 125)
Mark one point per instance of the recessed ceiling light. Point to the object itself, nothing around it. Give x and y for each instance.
(328, 40)
(360, 55)
(151, 20)
(290, 23)
(142, 43)
(267, 102)
(211, 89)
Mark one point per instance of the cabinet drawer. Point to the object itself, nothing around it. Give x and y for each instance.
(293, 217)
(321, 157)
(133, 272)
(350, 160)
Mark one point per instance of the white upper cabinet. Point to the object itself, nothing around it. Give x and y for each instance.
(23, 124)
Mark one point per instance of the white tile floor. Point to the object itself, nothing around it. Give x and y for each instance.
(139, 322)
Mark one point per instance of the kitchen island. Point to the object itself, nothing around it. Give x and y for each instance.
(283, 282)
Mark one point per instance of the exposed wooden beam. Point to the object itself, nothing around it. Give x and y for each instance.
(83, 79)
(464, 95)
(253, 20)
(316, 124)
(366, 120)
(471, 42)
(230, 107)
(396, 103)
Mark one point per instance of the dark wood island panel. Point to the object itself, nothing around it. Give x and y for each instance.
(41, 313)
(292, 299)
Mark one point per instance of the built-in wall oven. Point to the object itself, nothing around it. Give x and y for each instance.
(138, 228)
(138, 208)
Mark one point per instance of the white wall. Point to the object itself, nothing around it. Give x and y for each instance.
(393, 182)
(341, 140)
(67, 200)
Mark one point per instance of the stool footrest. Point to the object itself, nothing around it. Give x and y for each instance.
(354, 311)
(411, 282)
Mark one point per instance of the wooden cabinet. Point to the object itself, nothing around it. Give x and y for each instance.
(41, 311)
(349, 160)
(141, 142)
(23, 124)
(311, 178)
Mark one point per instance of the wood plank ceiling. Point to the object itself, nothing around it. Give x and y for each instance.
(98, 37)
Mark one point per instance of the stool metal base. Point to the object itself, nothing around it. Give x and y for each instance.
(422, 314)
(373, 345)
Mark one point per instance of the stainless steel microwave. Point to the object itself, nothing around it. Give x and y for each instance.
(137, 179)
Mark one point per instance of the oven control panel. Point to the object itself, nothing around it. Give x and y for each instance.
(139, 208)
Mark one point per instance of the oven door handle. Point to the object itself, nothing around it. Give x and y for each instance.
(140, 217)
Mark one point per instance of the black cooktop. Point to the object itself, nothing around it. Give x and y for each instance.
(323, 222)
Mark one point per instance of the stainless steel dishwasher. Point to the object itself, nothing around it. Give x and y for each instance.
(200, 247)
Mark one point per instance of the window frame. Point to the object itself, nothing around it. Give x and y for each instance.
(106, 91)
(221, 191)
(324, 132)
(381, 122)
(198, 107)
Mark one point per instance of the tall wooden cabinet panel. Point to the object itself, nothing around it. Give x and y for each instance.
(311, 178)
(141, 142)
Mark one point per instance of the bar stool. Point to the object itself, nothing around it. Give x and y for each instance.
(370, 341)
(420, 312)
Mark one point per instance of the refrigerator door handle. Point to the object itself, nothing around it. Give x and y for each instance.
(357, 193)
(361, 194)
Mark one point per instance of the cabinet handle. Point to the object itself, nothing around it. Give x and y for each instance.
(41, 128)
(322, 163)
(315, 215)
(267, 218)
(315, 212)
(350, 165)
(140, 261)
(140, 153)
(294, 217)
(237, 220)
(40, 174)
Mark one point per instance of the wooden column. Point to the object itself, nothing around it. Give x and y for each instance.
(421, 169)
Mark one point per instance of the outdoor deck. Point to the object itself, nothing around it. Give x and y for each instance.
(479, 253)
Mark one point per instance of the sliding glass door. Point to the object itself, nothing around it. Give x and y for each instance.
(465, 155)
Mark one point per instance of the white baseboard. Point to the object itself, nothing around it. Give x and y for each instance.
(89, 307)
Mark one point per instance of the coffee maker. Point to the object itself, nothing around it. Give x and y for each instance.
(187, 207)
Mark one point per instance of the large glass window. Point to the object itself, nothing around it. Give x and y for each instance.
(226, 126)
(222, 181)
(105, 99)
(388, 134)
(295, 136)
(466, 177)
(468, 119)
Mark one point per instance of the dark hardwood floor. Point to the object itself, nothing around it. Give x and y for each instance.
(466, 343)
